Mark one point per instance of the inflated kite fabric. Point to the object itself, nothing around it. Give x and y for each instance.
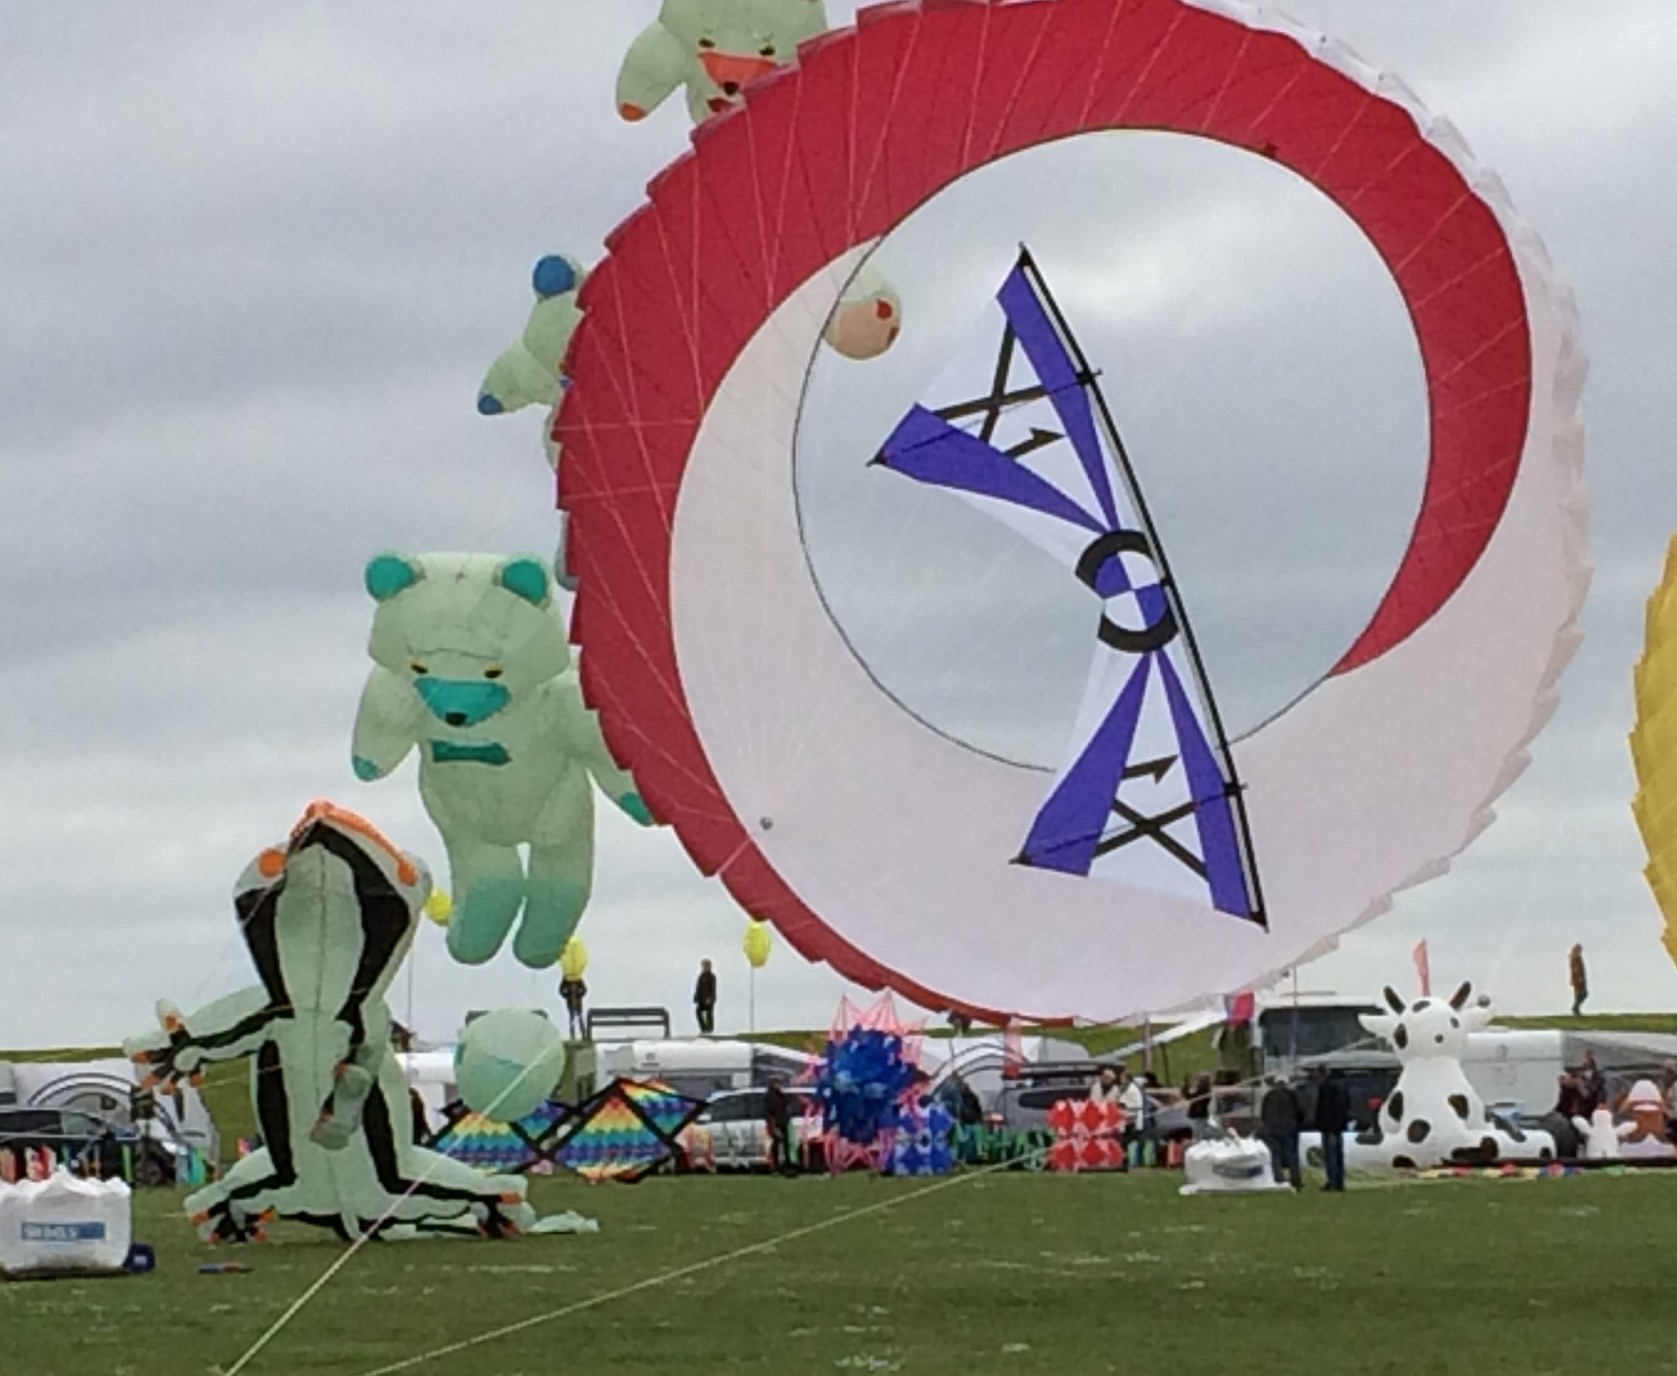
(923, 1145)
(887, 849)
(864, 1083)
(472, 667)
(626, 1130)
(1149, 795)
(508, 1064)
(1653, 747)
(714, 49)
(500, 1146)
(328, 916)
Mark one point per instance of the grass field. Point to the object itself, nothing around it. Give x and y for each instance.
(1007, 1273)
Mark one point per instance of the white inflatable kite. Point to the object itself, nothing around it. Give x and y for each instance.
(1164, 861)
(1434, 1116)
(328, 917)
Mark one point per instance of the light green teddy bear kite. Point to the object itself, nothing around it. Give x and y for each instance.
(472, 665)
(713, 48)
(530, 371)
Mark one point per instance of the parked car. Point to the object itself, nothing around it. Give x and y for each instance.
(732, 1134)
(1025, 1108)
(1366, 1088)
(80, 1139)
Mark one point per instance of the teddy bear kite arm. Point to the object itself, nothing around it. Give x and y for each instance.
(584, 741)
(386, 725)
(515, 380)
(654, 67)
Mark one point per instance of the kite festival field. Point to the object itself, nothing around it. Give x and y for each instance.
(1007, 1272)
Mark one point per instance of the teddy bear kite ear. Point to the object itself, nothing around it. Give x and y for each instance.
(388, 574)
(526, 576)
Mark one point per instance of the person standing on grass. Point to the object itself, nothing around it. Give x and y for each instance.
(1198, 1095)
(1580, 979)
(704, 998)
(777, 1117)
(1279, 1113)
(1134, 1100)
(1333, 1116)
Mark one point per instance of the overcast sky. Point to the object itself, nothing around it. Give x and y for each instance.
(255, 259)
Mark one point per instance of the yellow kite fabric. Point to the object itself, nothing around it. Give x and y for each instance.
(1653, 746)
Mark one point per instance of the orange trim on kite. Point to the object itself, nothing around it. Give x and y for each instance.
(341, 817)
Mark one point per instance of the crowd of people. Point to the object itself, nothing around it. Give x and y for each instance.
(1583, 1089)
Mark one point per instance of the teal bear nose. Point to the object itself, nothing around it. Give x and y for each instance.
(461, 702)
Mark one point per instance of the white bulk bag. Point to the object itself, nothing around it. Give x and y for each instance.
(1232, 1165)
(65, 1224)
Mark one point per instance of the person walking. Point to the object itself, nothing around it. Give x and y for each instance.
(1333, 1116)
(1279, 1113)
(573, 992)
(1580, 979)
(704, 999)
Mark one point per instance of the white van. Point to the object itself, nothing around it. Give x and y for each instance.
(701, 1067)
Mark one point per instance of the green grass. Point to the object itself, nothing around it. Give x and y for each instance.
(1008, 1273)
(1599, 1022)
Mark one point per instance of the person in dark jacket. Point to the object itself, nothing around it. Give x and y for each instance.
(1569, 1097)
(777, 1117)
(704, 998)
(1279, 1113)
(1198, 1096)
(574, 992)
(1333, 1116)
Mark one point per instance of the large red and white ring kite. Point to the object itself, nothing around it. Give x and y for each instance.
(876, 844)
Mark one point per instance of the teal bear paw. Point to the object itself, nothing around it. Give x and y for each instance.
(635, 806)
(365, 769)
(482, 918)
(551, 915)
